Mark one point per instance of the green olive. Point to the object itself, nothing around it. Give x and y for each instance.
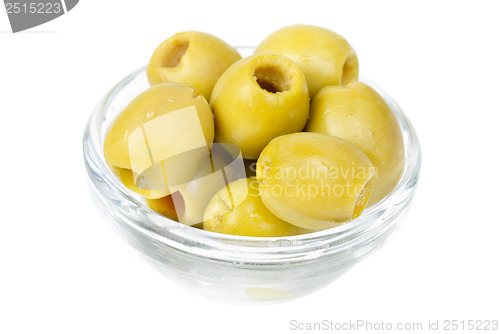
(158, 141)
(238, 210)
(164, 206)
(257, 99)
(325, 57)
(314, 181)
(358, 114)
(193, 58)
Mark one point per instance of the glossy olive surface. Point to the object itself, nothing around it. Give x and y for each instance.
(257, 99)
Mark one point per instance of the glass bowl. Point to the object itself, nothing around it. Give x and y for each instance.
(235, 268)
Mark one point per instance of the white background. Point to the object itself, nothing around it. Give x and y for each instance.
(63, 270)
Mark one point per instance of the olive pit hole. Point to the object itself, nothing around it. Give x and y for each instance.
(174, 53)
(349, 70)
(272, 79)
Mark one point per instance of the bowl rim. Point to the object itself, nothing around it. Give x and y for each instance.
(187, 239)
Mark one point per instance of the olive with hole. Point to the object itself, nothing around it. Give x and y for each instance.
(314, 181)
(193, 58)
(325, 57)
(257, 99)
